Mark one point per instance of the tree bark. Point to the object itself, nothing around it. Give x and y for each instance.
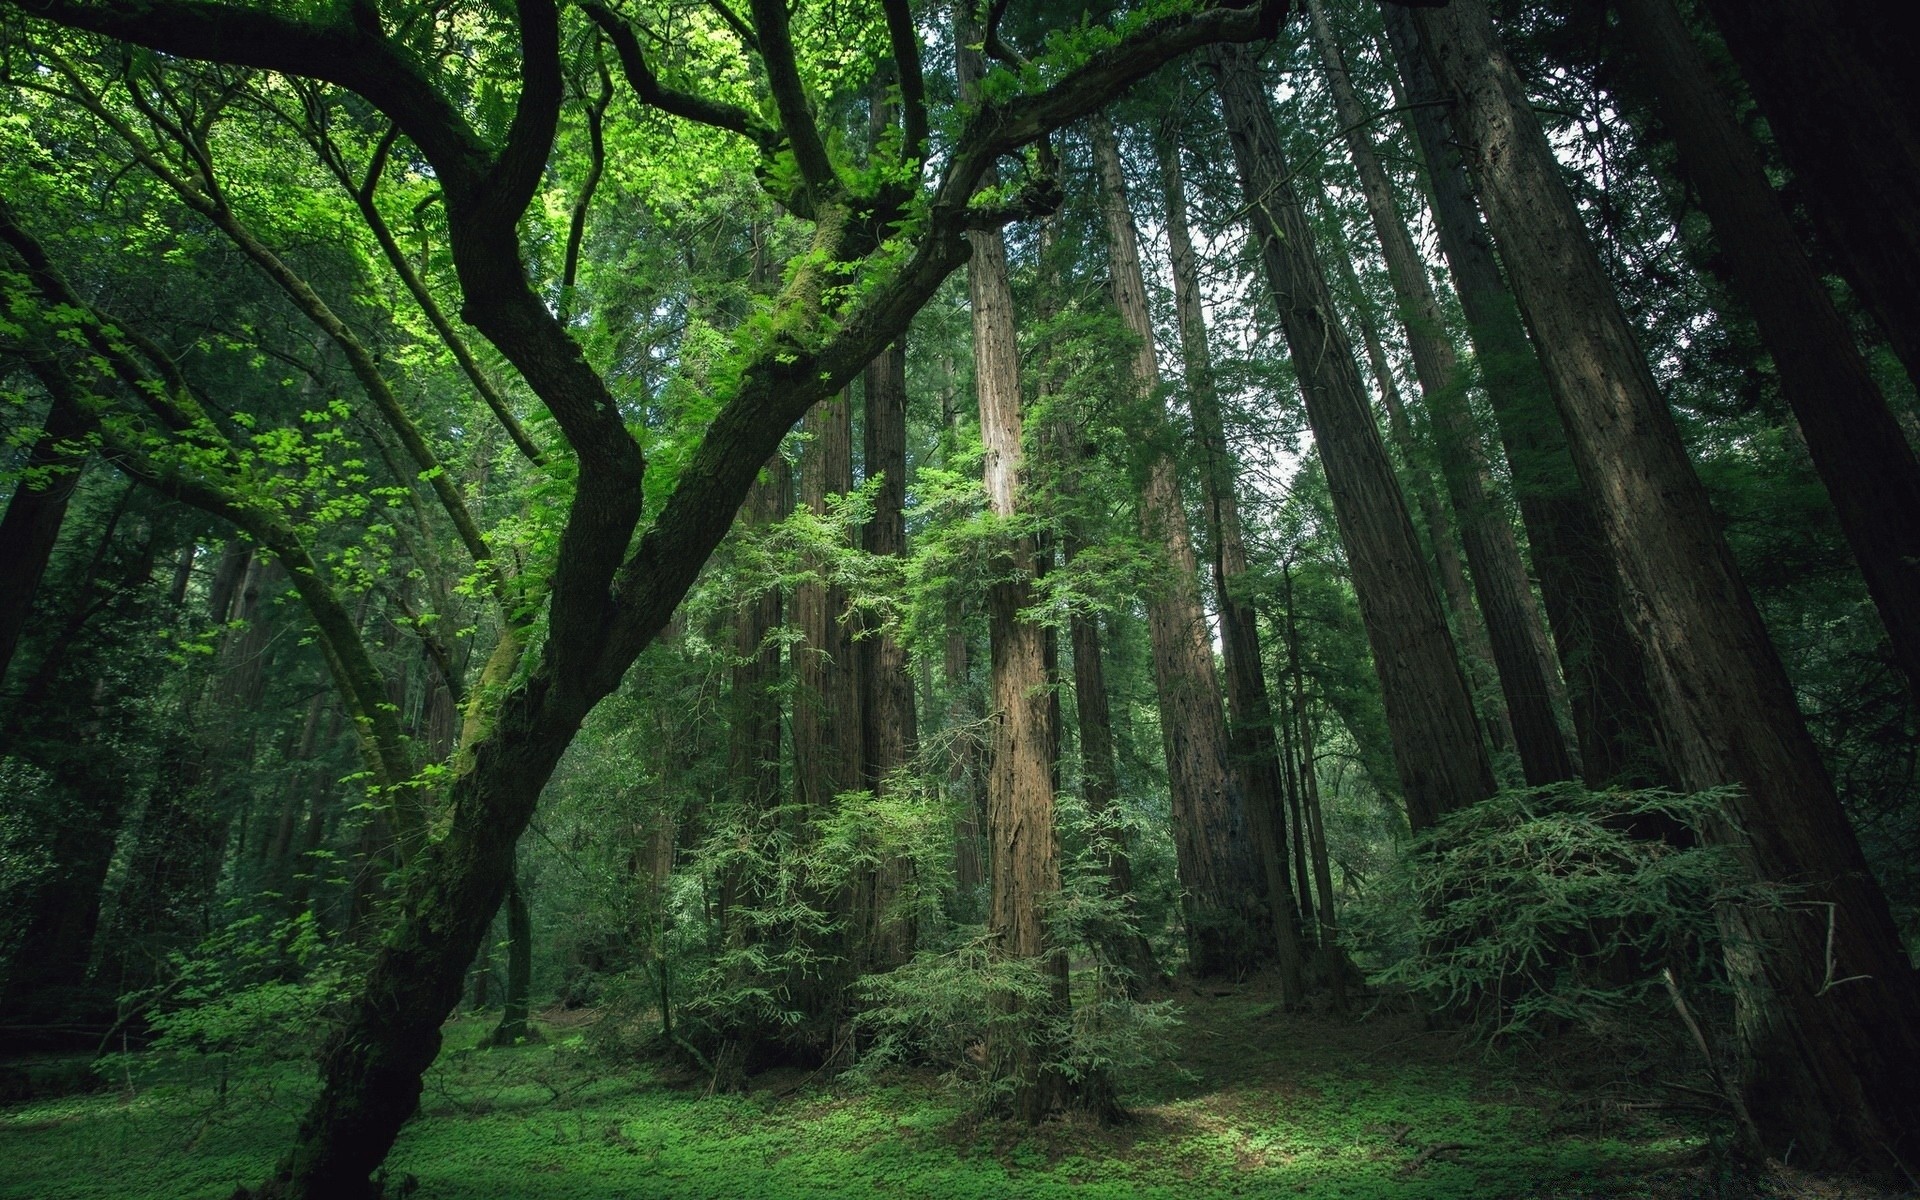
(1455, 591)
(513, 1025)
(1579, 581)
(1222, 883)
(827, 751)
(1499, 577)
(889, 736)
(1023, 843)
(1250, 733)
(34, 514)
(753, 726)
(1835, 81)
(1858, 448)
(1827, 1019)
(1441, 762)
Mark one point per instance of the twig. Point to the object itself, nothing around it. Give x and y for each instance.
(1749, 1132)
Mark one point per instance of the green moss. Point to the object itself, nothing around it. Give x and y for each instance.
(1267, 1105)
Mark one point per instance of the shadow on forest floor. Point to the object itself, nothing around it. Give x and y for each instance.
(1252, 1102)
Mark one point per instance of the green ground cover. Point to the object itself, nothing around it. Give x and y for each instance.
(1252, 1102)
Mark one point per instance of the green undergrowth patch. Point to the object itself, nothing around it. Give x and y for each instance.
(1256, 1103)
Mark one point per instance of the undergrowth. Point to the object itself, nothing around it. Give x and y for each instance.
(1251, 1101)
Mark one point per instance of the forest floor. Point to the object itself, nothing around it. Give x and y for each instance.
(1252, 1102)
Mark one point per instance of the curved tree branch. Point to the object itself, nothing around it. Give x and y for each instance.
(685, 105)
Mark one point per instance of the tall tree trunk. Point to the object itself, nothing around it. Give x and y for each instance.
(1827, 1014)
(965, 774)
(1442, 764)
(1071, 455)
(1857, 446)
(1221, 879)
(1024, 848)
(1606, 674)
(826, 709)
(753, 726)
(1022, 838)
(1499, 577)
(1835, 81)
(34, 515)
(1455, 591)
(889, 736)
(1250, 733)
(826, 697)
(513, 1025)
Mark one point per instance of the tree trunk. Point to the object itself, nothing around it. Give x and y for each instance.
(1499, 577)
(889, 736)
(1024, 847)
(753, 726)
(1022, 839)
(1250, 733)
(826, 708)
(1436, 742)
(1857, 446)
(1221, 879)
(513, 1011)
(1455, 591)
(1835, 81)
(1827, 1018)
(34, 515)
(1606, 674)
(826, 702)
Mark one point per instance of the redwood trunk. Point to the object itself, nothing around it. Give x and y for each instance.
(1222, 882)
(1835, 80)
(1857, 446)
(1499, 577)
(1023, 842)
(1250, 734)
(1579, 581)
(888, 734)
(1437, 749)
(1827, 1019)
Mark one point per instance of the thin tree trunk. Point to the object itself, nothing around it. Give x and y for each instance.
(1606, 674)
(1827, 1018)
(1499, 577)
(1250, 732)
(1442, 763)
(1856, 445)
(889, 734)
(1221, 879)
(513, 1025)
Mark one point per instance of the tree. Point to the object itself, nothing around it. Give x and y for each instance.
(1442, 763)
(1499, 576)
(1579, 582)
(1823, 1062)
(1857, 446)
(1838, 95)
(1221, 881)
(1255, 756)
(610, 594)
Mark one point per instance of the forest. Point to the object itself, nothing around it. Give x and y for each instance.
(629, 599)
